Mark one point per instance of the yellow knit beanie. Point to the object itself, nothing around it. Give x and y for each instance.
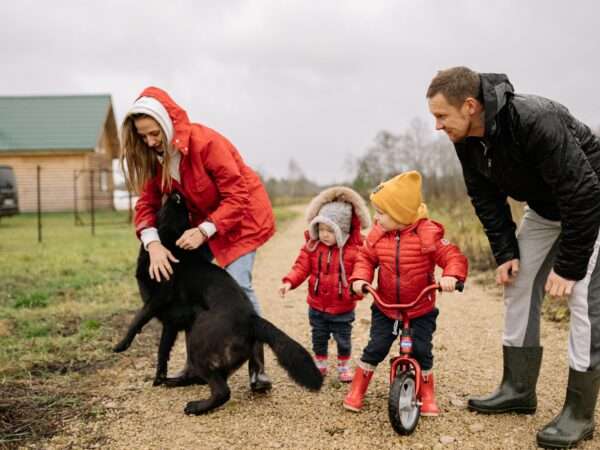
(400, 198)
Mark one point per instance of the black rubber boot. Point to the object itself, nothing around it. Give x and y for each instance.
(575, 422)
(259, 381)
(517, 389)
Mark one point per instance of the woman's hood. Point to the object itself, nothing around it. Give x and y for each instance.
(181, 123)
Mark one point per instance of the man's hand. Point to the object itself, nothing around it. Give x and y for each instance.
(557, 286)
(357, 287)
(159, 261)
(284, 288)
(448, 284)
(191, 239)
(507, 272)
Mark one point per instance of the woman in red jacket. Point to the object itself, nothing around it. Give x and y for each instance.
(335, 218)
(229, 207)
(405, 246)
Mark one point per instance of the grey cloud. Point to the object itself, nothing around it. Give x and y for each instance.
(313, 81)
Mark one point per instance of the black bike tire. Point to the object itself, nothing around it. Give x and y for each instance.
(393, 406)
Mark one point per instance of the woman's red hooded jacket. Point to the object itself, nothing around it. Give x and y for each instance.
(217, 185)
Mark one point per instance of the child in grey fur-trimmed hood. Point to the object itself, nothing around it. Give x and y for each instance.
(335, 217)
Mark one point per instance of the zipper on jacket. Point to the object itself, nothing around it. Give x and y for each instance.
(398, 267)
(316, 289)
(485, 154)
(328, 260)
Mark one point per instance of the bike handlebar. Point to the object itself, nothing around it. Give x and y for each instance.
(368, 289)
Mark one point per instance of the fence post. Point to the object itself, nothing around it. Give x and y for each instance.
(92, 202)
(75, 196)
(39, 204)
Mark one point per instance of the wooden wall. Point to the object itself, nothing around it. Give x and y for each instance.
(64, 176)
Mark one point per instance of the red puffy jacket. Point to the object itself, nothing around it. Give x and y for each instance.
(406, 261)
(217, 185)
(326, 292)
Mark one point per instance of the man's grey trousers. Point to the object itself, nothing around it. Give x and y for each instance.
(538, 245)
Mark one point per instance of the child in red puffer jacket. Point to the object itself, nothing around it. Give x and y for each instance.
(333, 239)
(405, 246)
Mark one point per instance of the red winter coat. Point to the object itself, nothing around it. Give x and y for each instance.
(217, 185)
(406, 261)
(322, 264)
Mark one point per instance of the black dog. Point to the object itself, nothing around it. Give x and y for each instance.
(220, 322)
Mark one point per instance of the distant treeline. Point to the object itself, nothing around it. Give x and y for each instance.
(413, 149)
(416, 148)
(391, 154)
(300, 188)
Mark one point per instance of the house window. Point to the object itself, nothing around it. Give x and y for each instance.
(103, 181)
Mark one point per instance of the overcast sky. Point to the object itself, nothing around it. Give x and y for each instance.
(309, 80)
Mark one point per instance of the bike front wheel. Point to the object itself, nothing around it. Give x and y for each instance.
(403, 407)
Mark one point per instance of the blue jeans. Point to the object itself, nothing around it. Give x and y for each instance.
(241, 271)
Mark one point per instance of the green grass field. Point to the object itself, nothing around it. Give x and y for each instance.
(64, 303)
(56, 295)
(59, 299)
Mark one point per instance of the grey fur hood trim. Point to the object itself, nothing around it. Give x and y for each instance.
(343, 194)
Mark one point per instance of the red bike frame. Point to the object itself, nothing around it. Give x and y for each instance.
(404, 360)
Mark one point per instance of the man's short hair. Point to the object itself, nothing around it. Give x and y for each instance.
(456, 85)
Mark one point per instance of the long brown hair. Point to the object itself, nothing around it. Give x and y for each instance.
(139, 162)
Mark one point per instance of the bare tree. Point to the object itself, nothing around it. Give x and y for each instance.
(295, 172)
(414, 149)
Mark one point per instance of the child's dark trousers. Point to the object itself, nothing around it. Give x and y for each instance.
(381, 337)
(337, 325)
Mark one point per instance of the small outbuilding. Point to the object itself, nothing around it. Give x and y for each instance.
(73, 139)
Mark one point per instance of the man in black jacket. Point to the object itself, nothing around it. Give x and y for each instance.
(533, 150)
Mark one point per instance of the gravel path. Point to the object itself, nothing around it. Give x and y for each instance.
(134, 415)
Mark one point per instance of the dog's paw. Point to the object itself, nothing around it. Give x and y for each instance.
(195, 408)
(183, 381)
(159, 380)
(121, 346)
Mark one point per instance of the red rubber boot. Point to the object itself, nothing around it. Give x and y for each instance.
(360, 383)
(429, 406)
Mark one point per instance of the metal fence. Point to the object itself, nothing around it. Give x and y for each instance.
(95, 196)
(88, 194)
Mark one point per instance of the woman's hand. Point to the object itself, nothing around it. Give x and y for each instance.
(191, 239)
(448, 284)
(159, 261)
(284, 288)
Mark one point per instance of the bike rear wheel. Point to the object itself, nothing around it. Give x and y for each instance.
(403, 408)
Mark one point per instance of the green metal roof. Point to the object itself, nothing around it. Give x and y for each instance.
(39, 123)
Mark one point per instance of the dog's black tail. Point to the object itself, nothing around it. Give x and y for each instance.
(290, 354)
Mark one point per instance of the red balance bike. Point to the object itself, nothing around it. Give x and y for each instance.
(404, 407)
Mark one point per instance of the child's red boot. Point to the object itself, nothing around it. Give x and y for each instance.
(429, 406)
(344, 370)
(360, 383)
(321, 363)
